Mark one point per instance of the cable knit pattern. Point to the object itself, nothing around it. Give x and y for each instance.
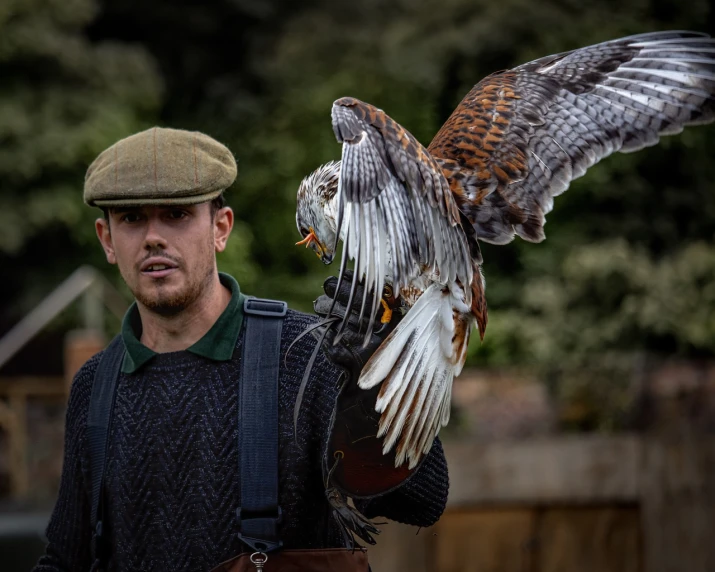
(173, 476)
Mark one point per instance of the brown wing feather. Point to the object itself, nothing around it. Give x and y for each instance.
(474, 136)
(479, 301)
(409, 159)
(519, 137)
(394, 196)
(484, 147)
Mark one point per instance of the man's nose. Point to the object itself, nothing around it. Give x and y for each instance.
(154, 237)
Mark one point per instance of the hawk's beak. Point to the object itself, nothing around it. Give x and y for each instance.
(308, 240)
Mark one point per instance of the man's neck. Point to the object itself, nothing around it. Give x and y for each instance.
(164, 334)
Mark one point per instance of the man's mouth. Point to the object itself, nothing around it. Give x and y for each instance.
(157, 268)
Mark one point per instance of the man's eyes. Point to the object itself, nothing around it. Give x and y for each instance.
(130, 217)
(173, 214)
(177, 214)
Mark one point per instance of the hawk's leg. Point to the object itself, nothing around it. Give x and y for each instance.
(387, 313)
(388, 302)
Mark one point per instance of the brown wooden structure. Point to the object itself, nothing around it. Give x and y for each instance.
(574, 504)
(14, 395)
(95, 293)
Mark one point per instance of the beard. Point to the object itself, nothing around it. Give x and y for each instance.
(169, 304)
(166, 300)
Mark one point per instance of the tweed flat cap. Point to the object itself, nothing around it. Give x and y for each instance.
(160, 166)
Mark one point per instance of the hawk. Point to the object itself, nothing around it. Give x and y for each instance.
(412, 217)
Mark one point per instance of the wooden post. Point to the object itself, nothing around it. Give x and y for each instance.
(13, 419)
(80, 345)
(14, 394)
(18, 446)
(678, 504)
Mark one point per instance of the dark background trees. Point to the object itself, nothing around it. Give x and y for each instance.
(628, 267)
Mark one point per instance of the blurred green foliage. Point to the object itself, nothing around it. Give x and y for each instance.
(62, 100)
(628, 266)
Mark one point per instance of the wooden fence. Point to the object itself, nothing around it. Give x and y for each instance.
(574, 504)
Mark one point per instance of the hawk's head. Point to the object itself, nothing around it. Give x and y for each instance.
(316, 211)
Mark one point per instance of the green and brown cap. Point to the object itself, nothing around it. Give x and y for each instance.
(160, 166)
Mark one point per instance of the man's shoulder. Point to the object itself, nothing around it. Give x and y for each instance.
(89, 368)
(300, 318)
(302, 345)
(295, 323)
(81, 389)
(84, 378)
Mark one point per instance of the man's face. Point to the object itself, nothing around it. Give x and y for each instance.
(166, 254)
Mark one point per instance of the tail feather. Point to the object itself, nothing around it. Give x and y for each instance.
(479, 299)
(419, 411)
(423, 444)
(411, 395)
(395, 408)
(416, 365)
(446, 404)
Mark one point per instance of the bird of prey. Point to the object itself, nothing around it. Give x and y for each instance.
(413, 217)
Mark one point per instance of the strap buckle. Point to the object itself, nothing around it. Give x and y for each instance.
(276, 515)
(265, 307)
(260, 532)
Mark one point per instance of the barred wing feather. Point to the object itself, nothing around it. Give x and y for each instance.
(397, 216)
(520, 137)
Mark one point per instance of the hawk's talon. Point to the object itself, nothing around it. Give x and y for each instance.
(387, 313)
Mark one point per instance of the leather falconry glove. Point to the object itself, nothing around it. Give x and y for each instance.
(353, 448)
(354, 464)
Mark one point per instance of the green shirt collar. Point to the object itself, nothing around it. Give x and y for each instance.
(216, 344)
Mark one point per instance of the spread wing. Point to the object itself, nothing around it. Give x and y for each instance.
(396, 214)
(521, 136)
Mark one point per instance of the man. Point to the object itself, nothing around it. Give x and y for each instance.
(172, 478)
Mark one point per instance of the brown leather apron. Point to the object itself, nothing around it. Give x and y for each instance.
(322, 560)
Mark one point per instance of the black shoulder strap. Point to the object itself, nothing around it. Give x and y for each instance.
(98, 422)
(259, 513)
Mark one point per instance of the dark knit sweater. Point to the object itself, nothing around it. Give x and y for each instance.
(173, 477)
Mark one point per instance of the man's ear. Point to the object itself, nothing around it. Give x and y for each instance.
(223, 223)
(105, 238)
